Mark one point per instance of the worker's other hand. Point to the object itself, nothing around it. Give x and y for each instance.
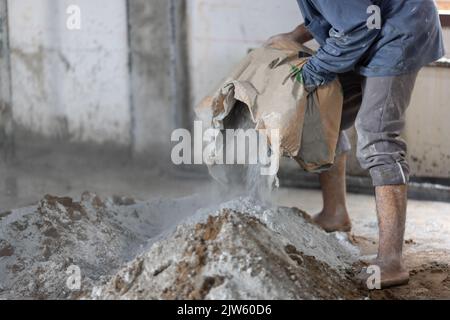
(299, 35)
(280, 41)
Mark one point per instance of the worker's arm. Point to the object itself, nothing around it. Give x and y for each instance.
(349, 40)
(299, 34)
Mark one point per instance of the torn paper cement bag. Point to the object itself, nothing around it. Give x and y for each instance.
(268, 84)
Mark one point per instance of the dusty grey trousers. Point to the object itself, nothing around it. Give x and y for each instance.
(377, 107)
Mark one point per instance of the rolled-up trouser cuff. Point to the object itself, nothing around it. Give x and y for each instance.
(390, 174)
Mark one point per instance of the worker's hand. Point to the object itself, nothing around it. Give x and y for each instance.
(310, 88)
(297, 75)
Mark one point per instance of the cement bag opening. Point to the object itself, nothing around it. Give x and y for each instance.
(245, 155)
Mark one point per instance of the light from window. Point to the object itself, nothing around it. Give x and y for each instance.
(444, 6)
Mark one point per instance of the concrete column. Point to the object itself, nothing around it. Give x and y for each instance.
(6, 123)
(159, 81)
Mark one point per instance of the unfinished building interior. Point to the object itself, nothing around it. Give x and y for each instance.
(91, 92)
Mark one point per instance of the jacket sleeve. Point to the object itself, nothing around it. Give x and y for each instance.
(350, 37)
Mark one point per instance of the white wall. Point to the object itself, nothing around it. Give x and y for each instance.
(221, 32)
(71, 83)
(427, 130)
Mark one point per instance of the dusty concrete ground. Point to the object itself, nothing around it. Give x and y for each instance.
(427, 240)
(48, 171)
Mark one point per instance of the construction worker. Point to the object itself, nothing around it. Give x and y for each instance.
(377, 66)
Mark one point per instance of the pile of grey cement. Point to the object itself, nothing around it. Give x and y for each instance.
(175, 249)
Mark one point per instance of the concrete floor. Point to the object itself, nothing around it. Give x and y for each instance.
(428, 223)
(427, 240)
(434, 216)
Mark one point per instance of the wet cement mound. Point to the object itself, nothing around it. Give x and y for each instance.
(170, 249)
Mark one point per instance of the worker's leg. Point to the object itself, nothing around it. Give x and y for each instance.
(334, 216)
(391, 211)
(382, 151)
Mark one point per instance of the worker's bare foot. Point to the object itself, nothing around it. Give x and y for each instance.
(333, 222)
(334, 216)
(390, 275)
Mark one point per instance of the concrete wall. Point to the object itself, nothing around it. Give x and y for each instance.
(427, 128)
(115, 80)
(6, 123)
(71, 83)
